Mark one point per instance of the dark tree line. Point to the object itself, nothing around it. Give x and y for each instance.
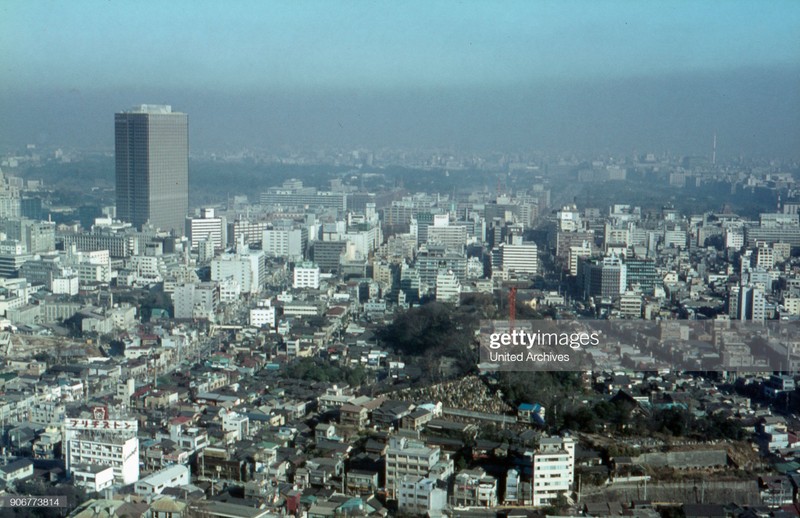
(314, 369)
(621, 416)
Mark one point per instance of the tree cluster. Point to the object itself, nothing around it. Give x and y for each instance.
(316, 370)
(618, 415)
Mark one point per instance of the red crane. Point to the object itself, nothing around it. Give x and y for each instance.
(512, 306)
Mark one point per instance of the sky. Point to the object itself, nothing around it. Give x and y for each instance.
(568, 75)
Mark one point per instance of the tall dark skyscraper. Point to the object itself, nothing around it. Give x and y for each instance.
(152, 164)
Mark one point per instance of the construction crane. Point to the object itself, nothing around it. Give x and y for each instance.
(512, 306)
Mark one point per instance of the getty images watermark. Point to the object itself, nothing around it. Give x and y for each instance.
(580, 345)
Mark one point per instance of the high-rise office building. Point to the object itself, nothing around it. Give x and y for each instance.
(152, 164)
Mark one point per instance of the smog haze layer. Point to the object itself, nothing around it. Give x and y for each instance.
(580, 76)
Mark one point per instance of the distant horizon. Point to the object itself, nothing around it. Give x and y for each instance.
(566, 77)
(755, 112)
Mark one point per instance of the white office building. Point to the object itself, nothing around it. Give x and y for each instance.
(263, 314)
(448, 288)
(520, 258)
(102, 442)
(553, 469)
(285, 243)
(245, 267)
(454, 237)
(765, 257)
(207, 227)
(306, 275)
(675, 238)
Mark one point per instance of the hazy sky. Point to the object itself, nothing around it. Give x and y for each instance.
(405, 73)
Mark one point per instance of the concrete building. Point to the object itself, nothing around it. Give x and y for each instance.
(10, 204)
(196, 301)
(630, 304)
(35, 236)
(328, 254)
(772, 433)
(520, 258)
(156, 483)
(435, 258)
(92, 477)
(772, 234)
(207, 227)
(779, 384)
(448, 289)
(734, 238)
(246, 267)
(263, 314)
(19, 469)
(474, 488)
(303, 197)
(765, 256)
(408, 457)
(606, 278)
(420, 496)
(152, 167)
(118, 242)
(576, 253)
(247, 232)
(453, 237)
(103, 442)
(553, 469)
(641, 275)
(235, 426)
(569, 219)
(675, 238)
(306, 275)
(747, 302)
(288, 243)
(512, 493)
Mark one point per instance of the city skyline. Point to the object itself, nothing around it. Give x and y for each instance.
(461, 258)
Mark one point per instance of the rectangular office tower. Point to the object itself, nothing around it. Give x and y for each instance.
(152, 163)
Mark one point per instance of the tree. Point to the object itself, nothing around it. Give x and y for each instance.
(435, 331)
(674, 421)
(543, 387)
(314, 369)
(74, 325)
(581, 420)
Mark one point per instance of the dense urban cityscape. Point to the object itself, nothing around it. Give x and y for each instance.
(451, 259)
(309, 345)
